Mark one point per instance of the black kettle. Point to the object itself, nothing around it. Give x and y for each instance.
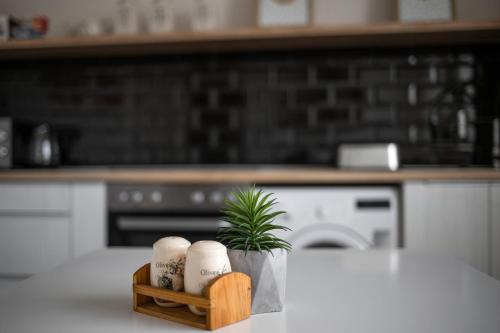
(44, 147)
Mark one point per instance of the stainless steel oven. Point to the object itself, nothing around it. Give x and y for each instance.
(138, 215)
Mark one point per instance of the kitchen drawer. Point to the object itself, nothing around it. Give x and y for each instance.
(42, 197)
(31, 245)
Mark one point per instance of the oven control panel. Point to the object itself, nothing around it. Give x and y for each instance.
(124, 197)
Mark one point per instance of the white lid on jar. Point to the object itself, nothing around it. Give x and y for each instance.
(207, 246)
(171, 243)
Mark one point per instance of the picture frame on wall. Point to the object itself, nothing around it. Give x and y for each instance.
(280, 13)
(411, 11)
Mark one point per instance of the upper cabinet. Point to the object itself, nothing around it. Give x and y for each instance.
(255, 39)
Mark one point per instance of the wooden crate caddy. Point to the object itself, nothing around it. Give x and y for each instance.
(227, 300)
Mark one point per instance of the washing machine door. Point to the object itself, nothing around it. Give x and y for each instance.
(328, 236)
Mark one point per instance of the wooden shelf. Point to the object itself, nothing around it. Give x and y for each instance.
(311, 175)
(250, 40)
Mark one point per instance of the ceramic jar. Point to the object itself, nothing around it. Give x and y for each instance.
(205, 260)
(167, 266)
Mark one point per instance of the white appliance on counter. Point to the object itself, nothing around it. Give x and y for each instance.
(338, 217)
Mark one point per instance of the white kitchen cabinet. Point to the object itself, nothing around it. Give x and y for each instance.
(495, 229)
(43, 225)
(449, 219)
(89, 216)
(35, 197)
(31, 244)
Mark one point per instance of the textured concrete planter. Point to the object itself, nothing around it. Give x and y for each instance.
(268, 274)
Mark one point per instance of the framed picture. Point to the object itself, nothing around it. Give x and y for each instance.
(425, 10)
(275, 13)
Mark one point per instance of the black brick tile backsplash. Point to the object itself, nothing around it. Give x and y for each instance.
(379, 115)
(354, 95)
(392, 95)
(199, 98)
(292, 75)
(308, 96)
(293, 107)
(332, 74)
(374, 75)
(213, 79)
(420, 74)
(214, 119)
(336, 115)
(235, 99)
(294, 118)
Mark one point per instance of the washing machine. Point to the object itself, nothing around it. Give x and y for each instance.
(359, 217)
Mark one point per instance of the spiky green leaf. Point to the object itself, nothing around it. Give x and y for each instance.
(251, 218)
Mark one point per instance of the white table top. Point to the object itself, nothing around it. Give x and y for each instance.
(328, 291)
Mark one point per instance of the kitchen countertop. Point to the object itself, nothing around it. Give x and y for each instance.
(265, 174)
(335, 291)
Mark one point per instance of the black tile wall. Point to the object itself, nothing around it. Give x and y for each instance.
(267, 108)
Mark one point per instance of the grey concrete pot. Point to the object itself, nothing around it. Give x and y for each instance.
(268, 274)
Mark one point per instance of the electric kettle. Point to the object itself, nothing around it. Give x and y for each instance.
(44, 147)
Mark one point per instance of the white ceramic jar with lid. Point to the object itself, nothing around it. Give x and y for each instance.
(167, 266)
(205, 260)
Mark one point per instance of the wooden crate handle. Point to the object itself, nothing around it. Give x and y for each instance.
(174, 296)
(142, 287)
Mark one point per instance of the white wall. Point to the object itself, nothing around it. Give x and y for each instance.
(474, 10)
(66, 14)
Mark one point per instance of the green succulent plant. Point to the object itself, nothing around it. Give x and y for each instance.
(251, 216)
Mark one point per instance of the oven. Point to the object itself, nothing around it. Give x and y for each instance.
(140, 214)
(360, 217)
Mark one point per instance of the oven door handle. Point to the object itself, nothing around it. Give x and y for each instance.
(168, 224)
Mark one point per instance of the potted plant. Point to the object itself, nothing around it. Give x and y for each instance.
(252, 247)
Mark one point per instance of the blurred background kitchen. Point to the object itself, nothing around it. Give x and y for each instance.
(375, 122)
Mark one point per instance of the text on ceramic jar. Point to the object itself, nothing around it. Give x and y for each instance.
(207, 272)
